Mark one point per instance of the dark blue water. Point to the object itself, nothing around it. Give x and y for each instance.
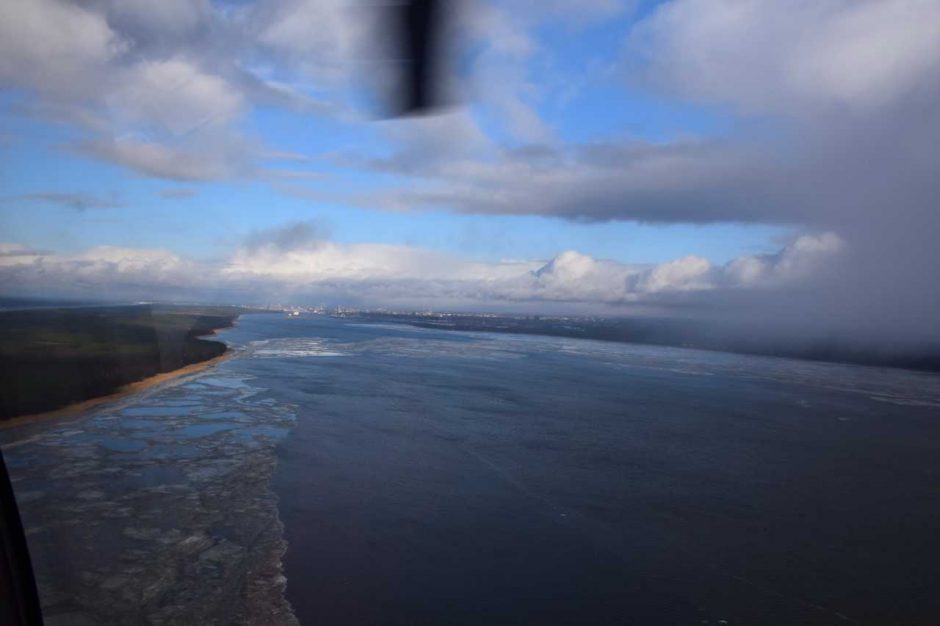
(455, 478)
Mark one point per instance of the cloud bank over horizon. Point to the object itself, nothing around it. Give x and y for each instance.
(294, 264)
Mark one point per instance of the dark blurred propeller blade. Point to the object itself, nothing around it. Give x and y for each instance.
(19, 599)
(417, 29)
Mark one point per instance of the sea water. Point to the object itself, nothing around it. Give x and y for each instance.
(435, 477)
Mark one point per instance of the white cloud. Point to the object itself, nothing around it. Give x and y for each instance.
(175, 97)
(153, 264)
(505, 37)
(576, 277)
(803, 255)
(794, 263)
(586, 9)
(499, 75)
(55, 47)
(320, 37)
(17, 254)
(139, 80)
(204, 159)
(145, 19)
(106, 270)
(685, 274)
(784, 57)
(294, 260)
(330, 261)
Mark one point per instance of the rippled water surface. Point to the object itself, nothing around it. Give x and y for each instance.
(156, 509)
(433, 477)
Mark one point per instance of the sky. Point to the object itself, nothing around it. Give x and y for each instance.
(768, 161)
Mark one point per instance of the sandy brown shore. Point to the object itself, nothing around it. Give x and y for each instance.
(158, 520)
(122, 392)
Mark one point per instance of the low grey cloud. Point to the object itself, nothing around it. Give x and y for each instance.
(21, 252)
(75, 201)
(691, 181)
(192, 161)
(177, 193)
(289, 237)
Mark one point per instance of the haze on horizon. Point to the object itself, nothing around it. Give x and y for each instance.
(767, 163)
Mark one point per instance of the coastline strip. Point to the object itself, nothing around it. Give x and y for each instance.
(129, 389)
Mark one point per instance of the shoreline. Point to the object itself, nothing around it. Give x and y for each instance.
(124, 391)
(222, 557)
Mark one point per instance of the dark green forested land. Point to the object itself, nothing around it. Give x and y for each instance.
(53, 357)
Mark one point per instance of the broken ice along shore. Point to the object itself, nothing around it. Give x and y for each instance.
(157, 509)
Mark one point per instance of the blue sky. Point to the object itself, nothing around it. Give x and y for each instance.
(580, 97)
(752, 158)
